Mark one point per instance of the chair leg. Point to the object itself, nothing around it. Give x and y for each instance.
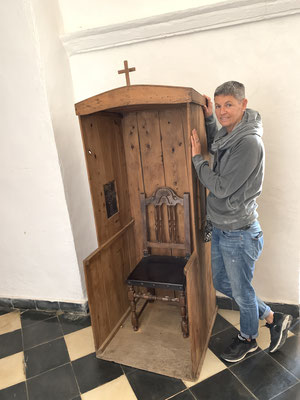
(184, 323)
(152, 292)
(134, 319)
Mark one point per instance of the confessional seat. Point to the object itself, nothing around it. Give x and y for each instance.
(162, 271)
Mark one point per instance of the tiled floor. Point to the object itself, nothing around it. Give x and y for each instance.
(51, 357)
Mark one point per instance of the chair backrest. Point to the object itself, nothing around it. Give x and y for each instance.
(167, 196)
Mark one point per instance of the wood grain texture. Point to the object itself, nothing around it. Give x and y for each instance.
(175, 163)
(137, 95)
(152, 164)
(106, 162)
(135, 176)
(106, 244)
(200, 290)
(105, 273)
(151, 151)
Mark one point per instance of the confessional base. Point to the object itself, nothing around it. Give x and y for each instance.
(158, 345)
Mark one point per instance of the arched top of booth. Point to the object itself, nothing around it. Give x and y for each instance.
(139, 97)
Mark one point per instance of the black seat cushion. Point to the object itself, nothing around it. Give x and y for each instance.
(159, 272)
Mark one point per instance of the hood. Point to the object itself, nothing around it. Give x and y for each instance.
(250, 124)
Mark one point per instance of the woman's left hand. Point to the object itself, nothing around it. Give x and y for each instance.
(196, 145)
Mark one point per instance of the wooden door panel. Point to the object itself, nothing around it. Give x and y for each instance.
(106, 271)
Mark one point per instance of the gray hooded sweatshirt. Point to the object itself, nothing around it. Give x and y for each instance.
(235, 181)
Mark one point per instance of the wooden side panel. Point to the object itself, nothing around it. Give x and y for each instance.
(196, 314)
(210, 293)
(200, 326)
(105, 273)
(106, 269)
(200, 290)
(103, 143)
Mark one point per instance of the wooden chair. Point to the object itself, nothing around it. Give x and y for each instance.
(162, 271)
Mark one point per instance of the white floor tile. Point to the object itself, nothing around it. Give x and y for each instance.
(80, 343)
(212, 365)
(12, 370)
(117, 389)
(231, 316)
(10, 322)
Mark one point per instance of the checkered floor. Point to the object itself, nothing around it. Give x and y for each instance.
(47, 356)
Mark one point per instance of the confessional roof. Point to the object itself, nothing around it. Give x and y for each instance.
(138, 96)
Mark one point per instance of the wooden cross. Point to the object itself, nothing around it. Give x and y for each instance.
(126, 71)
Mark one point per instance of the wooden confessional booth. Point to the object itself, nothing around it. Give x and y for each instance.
(137, 139)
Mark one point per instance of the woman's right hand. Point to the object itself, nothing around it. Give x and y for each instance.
(208, 109)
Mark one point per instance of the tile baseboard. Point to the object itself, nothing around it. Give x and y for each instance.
(228, 304)
(40, 305)
(43, 305)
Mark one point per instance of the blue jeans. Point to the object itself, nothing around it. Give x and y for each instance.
(233, 256)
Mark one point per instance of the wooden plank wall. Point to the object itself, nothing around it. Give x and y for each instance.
(155, 153)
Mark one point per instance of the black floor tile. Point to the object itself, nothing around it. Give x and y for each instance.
(224, 303)
(72, 322)
(41, 332)
(289, 355)
(4, 311)
(222, 386)
(295, 327)
(186, 395)
(77, 398)
(263, 376)
(149, 386)
(92, 372)
(57, 384)
(46, 356)
(220, 324)
(235, 307)
(291, 394)
(15, 392)
(30, 317)
(11, 343)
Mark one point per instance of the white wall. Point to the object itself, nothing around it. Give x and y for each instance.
(47, 226)
(38, 258)
(81, 14)
(59, 86)
(265, 57)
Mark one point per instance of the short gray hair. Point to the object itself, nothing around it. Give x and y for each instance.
(231, 88)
